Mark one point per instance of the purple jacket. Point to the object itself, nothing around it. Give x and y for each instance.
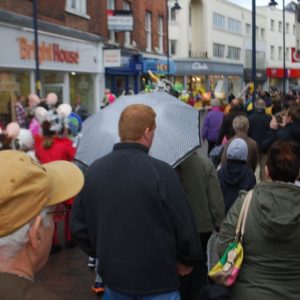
(212, 124)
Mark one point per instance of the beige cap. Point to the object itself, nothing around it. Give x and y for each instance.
(27, 187)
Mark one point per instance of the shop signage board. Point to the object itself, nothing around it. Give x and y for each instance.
(111, 58)
(158, 66)
(295, 55)
(195, 67)
(120, 20)
(55, 53)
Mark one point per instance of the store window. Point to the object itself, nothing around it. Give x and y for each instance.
(218, 50)
(76, 6)
(12, 84)
(82, 87)
(218, 21)
(148, 31)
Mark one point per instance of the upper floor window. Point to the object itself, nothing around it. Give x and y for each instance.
(218, 21)
(110, 4)
(76, 6)
(248, 29)
(173, 47)
(287, 27)
(294, 29)
(234, 53)
(287, 54)
(272, 48)
(279, 53)
(234, 25)
(272, 22)
(262, 33)
(280, 26)
(160, 34)
(148, 25)
(218, 50)
(127, 41)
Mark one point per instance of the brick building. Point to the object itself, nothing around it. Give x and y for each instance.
(73, 36)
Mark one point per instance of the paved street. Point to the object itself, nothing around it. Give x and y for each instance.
(67, 274)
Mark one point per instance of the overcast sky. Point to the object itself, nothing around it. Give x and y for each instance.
(248, 3)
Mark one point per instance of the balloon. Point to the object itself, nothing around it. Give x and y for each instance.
(64, 109)
(13, 130)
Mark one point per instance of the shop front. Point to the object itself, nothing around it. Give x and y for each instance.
(71, 68)
(123, 77)
(159, 67)
(260, 77)
(207, 76)
(275, 78)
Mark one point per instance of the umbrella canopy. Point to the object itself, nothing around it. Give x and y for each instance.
(177, 134)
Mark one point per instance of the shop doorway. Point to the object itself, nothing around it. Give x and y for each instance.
(54, 88)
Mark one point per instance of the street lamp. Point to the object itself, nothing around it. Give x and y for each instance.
(175, 8)
(253, 50)
(36, 48)
(273, 4)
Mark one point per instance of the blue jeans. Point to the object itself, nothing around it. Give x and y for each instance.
(113, 295)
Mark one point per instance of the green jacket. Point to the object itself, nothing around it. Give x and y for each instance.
(271, 265)
(202, 186)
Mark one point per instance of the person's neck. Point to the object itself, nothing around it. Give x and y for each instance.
(19, 266)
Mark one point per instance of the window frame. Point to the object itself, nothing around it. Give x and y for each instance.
(219, 21)
(80, 8)
(148, 30)
(220, 49)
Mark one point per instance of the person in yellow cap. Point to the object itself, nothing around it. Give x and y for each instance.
(28, 190)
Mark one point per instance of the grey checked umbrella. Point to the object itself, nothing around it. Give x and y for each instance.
(177, 134)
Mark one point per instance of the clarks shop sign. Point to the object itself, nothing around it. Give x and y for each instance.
(51, 52)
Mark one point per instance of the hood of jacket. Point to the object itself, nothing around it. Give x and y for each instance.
(277, 209)
(234, 171)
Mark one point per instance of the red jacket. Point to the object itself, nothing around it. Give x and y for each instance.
(61, 149)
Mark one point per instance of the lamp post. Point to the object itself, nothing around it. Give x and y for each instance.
(36, 48)
(253, 50)
(176, 7)
(273, 4)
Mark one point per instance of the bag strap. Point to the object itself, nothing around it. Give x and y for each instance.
(240, 227)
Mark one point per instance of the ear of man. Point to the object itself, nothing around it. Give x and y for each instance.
(35, 236)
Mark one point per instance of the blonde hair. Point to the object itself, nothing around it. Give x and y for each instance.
(134, 120)
(240, 123)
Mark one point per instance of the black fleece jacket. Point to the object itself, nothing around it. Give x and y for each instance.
(134, 215)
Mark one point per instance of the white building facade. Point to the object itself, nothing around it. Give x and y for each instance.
(215, 38)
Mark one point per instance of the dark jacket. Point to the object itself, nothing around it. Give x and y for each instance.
(271, 265)
(134, 215)
(226, 127)
(259, 125)
(13, 287)
(200, 181)
(234, 176)
(290, 132)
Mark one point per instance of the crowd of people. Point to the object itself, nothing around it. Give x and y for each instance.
(147, 223)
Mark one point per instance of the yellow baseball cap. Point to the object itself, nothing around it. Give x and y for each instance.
(27, 187)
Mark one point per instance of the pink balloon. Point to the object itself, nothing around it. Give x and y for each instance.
(13, 130)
